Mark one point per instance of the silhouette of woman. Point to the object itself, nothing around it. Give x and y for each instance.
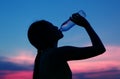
(51, 61)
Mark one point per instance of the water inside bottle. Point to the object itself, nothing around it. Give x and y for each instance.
(67, 25)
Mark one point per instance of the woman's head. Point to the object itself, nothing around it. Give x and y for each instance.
(43, 34)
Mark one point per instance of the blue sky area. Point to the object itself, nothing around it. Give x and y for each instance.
(17, 15)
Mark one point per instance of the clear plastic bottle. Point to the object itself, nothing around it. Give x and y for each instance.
(69, 24)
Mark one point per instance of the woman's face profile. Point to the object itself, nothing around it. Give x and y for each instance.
(43, 34)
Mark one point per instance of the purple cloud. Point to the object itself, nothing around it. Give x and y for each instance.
(7, 65)
(109, 74)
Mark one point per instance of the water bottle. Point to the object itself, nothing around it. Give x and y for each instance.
(69, 24)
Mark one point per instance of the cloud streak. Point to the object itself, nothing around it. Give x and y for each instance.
(6, 65)
(16, 74)
(23, 57)
(109, 74)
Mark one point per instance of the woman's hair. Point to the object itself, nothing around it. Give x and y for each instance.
(41, 34)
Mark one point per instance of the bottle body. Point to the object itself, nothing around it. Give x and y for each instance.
(69, 24)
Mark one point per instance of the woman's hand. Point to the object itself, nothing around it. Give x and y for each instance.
(79, 20)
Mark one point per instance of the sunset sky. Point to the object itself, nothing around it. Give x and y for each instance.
(17, 55)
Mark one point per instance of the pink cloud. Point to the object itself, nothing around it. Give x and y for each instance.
(108, 75)
(22, 57)
(16, 75)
